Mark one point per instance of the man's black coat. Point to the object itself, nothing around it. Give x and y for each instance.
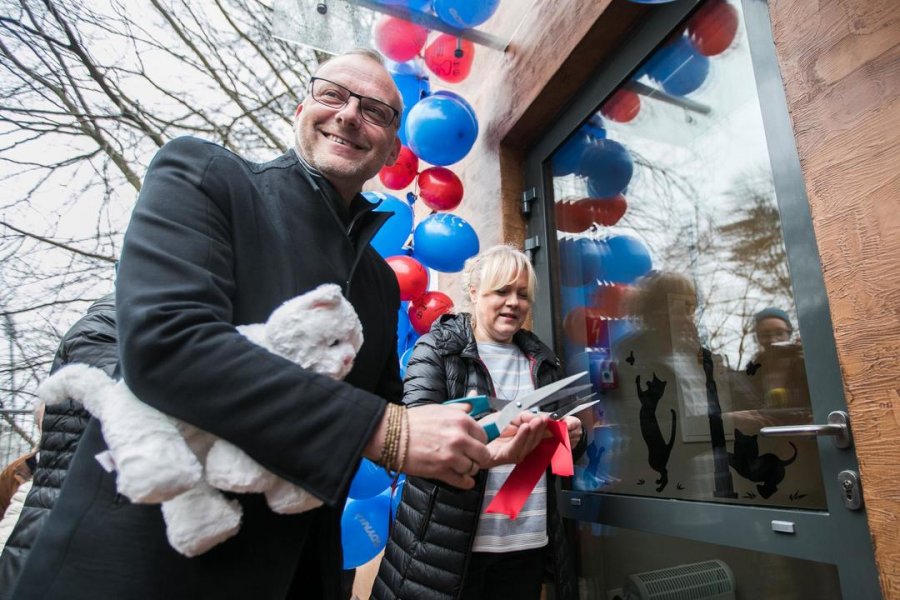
(216, 241)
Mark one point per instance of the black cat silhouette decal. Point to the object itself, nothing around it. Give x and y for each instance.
(767, 469)
(657, 448)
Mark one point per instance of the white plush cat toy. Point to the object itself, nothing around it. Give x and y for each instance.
(162, 460)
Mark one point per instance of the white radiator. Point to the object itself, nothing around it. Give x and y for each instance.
(707, 580)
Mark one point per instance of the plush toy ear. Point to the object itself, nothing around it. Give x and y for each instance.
(326, 296)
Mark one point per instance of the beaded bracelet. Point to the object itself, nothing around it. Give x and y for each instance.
(395, 417)
(404, 436)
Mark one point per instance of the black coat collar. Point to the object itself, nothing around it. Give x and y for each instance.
(453, 334)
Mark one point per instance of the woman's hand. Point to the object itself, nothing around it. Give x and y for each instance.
(517, 441)
(573, 425)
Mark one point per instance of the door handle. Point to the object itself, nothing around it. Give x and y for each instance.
(838, 426)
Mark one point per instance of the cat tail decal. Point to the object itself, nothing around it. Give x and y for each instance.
(674, 428)
(786, 461)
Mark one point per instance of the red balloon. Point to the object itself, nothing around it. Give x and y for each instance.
(442, 60)
(587, 327)
(401, 173)
(397, 39)
(609, 300)
(575, 216)
(622, 106)
(424, 310)
(713, 27)
(411, 275)
(440, 188)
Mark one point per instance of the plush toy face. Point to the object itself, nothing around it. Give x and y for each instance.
(318, 330)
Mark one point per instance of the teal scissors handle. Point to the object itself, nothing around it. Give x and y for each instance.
(492, 431)
(481, 406)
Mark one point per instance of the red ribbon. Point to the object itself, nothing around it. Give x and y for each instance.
(554, 451)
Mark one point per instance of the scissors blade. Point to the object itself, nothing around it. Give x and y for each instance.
(505, 416)
(575, 407)
(563, 393)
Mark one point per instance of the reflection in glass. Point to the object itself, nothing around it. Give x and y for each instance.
(674, 285)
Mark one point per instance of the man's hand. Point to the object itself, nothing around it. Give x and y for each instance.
(445, 443)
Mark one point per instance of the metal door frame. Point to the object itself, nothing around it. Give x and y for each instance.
(836, 536)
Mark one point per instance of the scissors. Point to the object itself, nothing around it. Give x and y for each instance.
(573, 406)
(508, 409)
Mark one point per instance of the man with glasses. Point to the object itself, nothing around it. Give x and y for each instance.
(217, 241)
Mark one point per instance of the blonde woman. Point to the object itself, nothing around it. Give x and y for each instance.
(443, 544)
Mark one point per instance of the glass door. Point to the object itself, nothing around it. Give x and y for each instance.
(682, 273)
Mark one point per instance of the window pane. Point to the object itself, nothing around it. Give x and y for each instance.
(675, 290)
(618, 561)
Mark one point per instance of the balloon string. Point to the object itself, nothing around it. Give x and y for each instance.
(411, 197)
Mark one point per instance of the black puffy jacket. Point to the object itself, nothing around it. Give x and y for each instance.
(431, 539)
(92, 340)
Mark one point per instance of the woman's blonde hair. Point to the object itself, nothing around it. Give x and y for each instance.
(497, 267)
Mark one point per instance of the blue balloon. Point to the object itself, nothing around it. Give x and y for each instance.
(628, 259)
(404, 361)
(581, 260)
(441, 129)
(397, 495)
(567, 158)
(594, 128)
(678, 67)
(460, 99)
(393, 234)
(464, 14)
(608, 167)
(413, 85)
(370, 480)
(364, 529)
(444, 241)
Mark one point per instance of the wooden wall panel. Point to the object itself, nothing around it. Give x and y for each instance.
(840, 62)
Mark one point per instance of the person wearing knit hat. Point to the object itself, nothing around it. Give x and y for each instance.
(778, 368)
(772, 325)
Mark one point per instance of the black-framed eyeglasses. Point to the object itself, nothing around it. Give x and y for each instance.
(334, 95)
